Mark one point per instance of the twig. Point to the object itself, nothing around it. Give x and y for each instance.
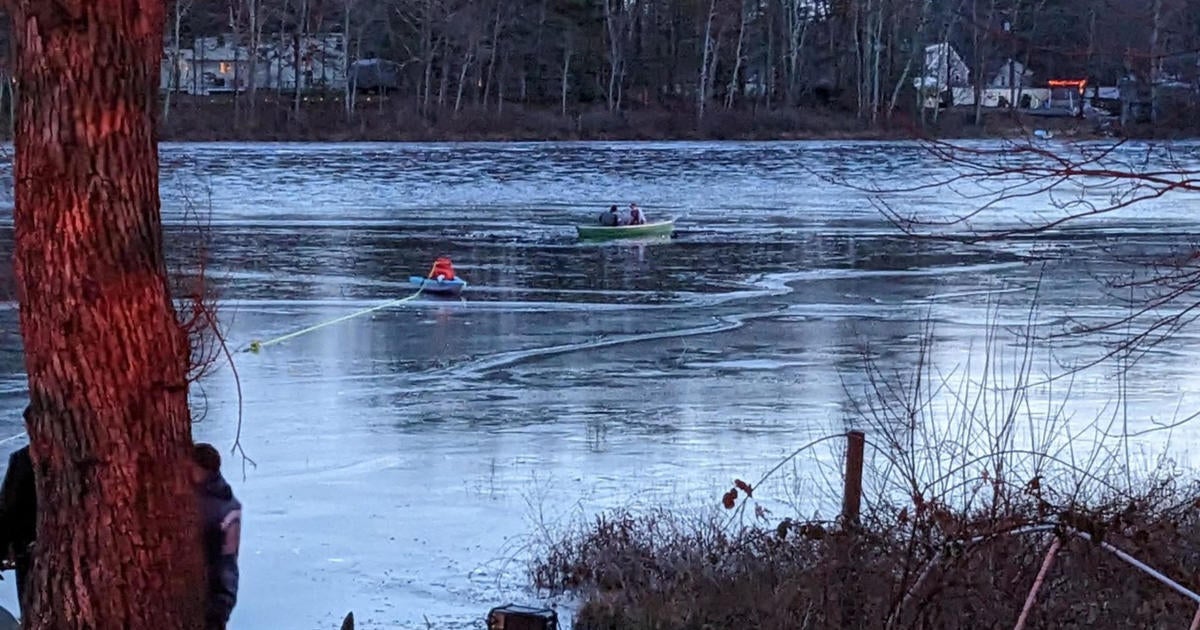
(1037, 583)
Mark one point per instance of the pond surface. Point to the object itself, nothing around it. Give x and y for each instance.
(407, 459)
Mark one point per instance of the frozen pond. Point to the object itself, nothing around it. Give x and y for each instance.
(407, 458)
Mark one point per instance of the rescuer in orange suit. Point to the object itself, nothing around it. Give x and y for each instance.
(442, 269)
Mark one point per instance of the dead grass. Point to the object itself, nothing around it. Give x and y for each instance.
(905, 567)
(973, 471)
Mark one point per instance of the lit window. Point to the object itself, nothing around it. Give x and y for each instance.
(224, 67)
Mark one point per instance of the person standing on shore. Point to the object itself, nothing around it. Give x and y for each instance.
(18, 518)
(222, 526)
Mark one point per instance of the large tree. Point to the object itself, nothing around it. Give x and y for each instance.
(107, 361)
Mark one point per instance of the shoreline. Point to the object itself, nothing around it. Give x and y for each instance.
(326, 120)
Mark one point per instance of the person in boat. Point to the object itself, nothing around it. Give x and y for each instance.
(222, 525)
(612, 218)
(18, 518)
(443, 269)
(636, 216)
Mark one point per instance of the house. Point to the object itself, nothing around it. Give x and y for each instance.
(313, 62)
(1006, 81)
(176, 70)
(1011, 74)
(213, 65)
(944, 74)
(944, 68)
(219, 64)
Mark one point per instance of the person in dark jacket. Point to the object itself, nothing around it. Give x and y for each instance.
(18, 517)
(221, 514)
(612, 218)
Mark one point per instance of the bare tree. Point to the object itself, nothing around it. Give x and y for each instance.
(181, 9)
(738, 57)
(617, 24)
(709, 45)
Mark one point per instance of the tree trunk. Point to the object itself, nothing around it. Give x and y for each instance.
(427, 54)
(252, 63)
(615, 30)
(173, 85)
(731, 91)
(350, 85)
(301, 40)
(235, 26)
(702, 87)
(462, 80)
(876, 51)
(445, 78)
(566, 73)
(491, 67)
(768, 81)
(918, 48)
(1155, 61)
(118, 538)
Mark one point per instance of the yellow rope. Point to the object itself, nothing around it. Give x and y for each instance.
(256, 345)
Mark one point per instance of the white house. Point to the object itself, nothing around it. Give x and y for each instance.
(1012, 74)
(216, 65)
(177, 69)
(1030, 98)
(317, 62)
(219, 65)
(944, 68)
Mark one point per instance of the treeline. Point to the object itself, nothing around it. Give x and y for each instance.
(861, 54)
(861, 58)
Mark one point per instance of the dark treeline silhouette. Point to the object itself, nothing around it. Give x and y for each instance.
(587, 68)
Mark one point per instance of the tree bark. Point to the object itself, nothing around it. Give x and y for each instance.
(350, 85)
(491, 66)
(254, 10)
(301, 40)
(118, 539)
(734, 81)
(427, 55)
(462, 80)
(235, 13)
(615, 28)
(566, 72)
(702, 80)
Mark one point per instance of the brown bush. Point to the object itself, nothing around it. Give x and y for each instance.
(662, 572)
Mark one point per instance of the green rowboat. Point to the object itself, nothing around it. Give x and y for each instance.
(605, 232)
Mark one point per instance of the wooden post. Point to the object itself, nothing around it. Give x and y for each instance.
(852, 496)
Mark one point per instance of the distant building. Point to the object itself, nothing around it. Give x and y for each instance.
(216, 65)
(374, 75)
(944, 68)
(1011, 74)
(219, 66)
(316, 62)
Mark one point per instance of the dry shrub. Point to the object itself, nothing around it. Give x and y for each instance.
(903, 568)
(972, 472)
